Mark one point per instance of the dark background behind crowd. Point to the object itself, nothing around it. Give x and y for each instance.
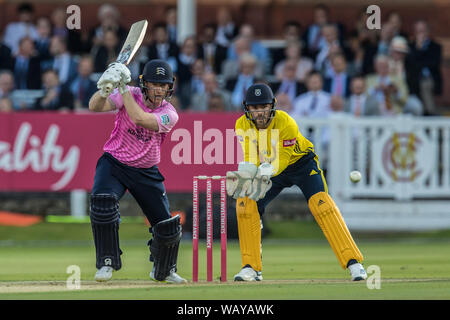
(315, 67)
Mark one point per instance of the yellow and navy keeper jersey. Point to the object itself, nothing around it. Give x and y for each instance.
(280, 144)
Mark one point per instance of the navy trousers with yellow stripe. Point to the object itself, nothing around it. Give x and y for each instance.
(305, 173)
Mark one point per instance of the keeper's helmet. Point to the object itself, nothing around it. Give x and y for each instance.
(259, 94)
(157, 71)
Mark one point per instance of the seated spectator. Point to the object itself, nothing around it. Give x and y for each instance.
(185, 59)
(395, 21)
(313, 38)
(61, 60)
(42, 43)
(291, 33)
(192, 86)
(202, 101)
(216, 103)
(257, 49)
(426, 57)
(15, 31)
(210, 51)
(6, 59)
(83, 87)
(239, 85)
(315, 102)
(161, 47)
(230, 68)
(331, 46)
(289, 84)
(107, 52)
(6, 105)
(171, 23)
(27, 69)
(57, 96)
(338, 83)
(336, 104)
(400, 65)
(6, 83)
(226, 28)
(390, 91)
(284, 103)
(71, 37)
(359, 103)
(304, 65)
(109, 20)
(386, 35)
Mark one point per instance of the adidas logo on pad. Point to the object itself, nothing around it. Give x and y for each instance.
(320, 202)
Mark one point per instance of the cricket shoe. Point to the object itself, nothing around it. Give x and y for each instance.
(104, 274)
(173, 277)
(357, 272)
(248, 274)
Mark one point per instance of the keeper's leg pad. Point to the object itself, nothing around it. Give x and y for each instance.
(330, 220)
(105, 228)
(249, 229)
(164, 246)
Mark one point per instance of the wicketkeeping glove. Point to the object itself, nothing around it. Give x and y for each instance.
(261, 183)
(239, 183)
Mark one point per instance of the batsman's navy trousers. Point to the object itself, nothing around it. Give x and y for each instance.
(305, 173)
(145, 185)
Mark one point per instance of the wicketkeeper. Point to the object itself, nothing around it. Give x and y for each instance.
(129, 162)
(277, 156)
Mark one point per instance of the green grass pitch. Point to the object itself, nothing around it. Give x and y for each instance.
(34, 261)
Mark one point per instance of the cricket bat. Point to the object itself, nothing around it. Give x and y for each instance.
(130, 47)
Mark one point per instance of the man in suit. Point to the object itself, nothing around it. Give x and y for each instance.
(6, 83)
(331, 46)
(359, 103)
(313, 37)
(27, 69)
(210, 51)
(226, 28)
(257, 49)
(6, 60)
(62, 61)
(315, 102)
(390, 91)
(201, 101)
(289, 84)
(161, 47)
(338, 83)
(192, 85)
(15, 31)
(57, 96)
(83, 87)
(426, 57)
(171, 23)
(42, 43)
(291, 33)
(239, 85)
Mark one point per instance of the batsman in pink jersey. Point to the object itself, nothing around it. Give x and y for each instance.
(129, 162)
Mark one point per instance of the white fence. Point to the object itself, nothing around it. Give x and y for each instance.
(405, 166)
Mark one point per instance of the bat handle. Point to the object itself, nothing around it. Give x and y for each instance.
(107, 89)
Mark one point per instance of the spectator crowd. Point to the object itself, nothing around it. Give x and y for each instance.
(319, 69)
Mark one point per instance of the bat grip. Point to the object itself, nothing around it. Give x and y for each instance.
(107, 89)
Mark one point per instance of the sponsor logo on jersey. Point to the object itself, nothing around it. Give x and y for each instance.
(165, 119)
(288, 143)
